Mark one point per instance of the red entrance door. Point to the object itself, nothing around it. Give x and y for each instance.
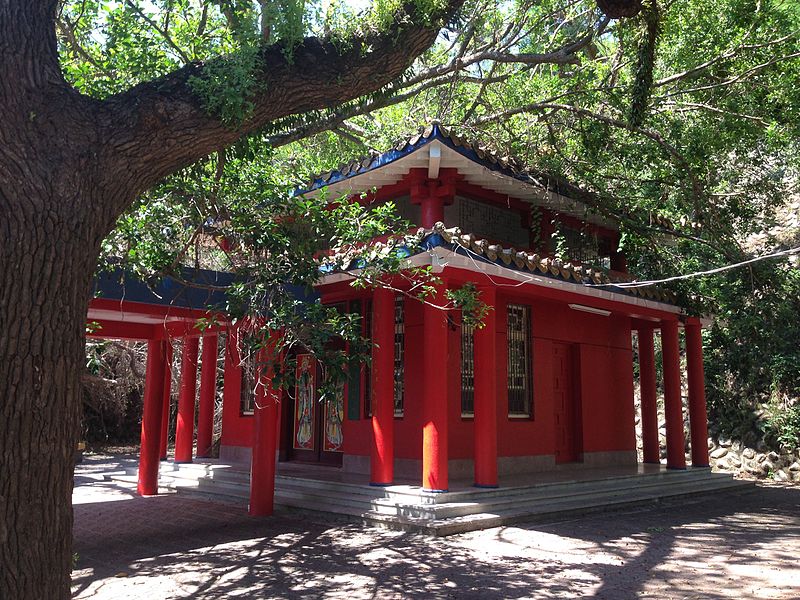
(566, 409)
(317, 423)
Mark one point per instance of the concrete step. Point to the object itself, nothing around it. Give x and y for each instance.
(573, 486)
(322, 500)
(499, 504)
(408, 507)
(544, 511)
(355, 500)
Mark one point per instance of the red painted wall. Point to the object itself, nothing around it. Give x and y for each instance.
(603, 379)
(237, 429)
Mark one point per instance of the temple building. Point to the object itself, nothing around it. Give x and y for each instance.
(547, 382)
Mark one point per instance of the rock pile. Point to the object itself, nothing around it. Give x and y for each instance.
(732, 456)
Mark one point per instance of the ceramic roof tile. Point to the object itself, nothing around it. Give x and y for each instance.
(554, 267)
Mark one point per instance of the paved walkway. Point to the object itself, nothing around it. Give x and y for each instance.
(727, 546)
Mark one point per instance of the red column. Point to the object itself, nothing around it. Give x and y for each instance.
(698, 419)
(647, 387)
(265, 439)
(432, 211)
(151, 417)
(184, 431)
(485, 421)
(434, 397)
(382, 457)
(208, 393)
(676, 459)
(167, 400)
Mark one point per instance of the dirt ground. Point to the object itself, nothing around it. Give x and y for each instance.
(723, 546)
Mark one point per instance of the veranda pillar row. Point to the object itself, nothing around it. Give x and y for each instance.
(382, 454)
(151, 417)
(651, 452)
(434, 395)
(698, 419)
(485, 418)
(673, 409)
(265, 436)
(184, 431)
(208, 392)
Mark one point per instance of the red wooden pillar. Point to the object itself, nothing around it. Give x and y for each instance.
(432, 211)
(432, 193)
(265, 440)
(485, 420)
(184, 431)
(151, 418)
(434, 397)
(673, 409)
(167, 400)
(651, 452)
(698, 419)
(382, 456)
(208, 393)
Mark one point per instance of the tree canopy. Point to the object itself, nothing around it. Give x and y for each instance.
(132, 127)
(682, 123)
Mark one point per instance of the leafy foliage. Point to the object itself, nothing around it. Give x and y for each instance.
(689, 112)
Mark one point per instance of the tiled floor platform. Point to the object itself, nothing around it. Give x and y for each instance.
(536, 496)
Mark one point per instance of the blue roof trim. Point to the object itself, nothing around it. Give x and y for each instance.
(119, 284)
(376, 162)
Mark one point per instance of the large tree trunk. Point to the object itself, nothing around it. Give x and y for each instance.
(45, 271)
(51, 226)
(69, 166)
(50, 237)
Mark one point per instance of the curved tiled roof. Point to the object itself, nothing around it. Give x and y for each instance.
(469, 149)
(533, 263)
(429, 133)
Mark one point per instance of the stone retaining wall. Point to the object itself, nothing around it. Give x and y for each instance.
(726, 454)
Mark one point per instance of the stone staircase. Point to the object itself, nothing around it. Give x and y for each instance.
(408, 507)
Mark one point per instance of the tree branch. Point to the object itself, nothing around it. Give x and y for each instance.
(161, 31)
(161, 126)
(725, 56)
(671, 150)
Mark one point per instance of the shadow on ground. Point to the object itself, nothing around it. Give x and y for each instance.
(731, 546)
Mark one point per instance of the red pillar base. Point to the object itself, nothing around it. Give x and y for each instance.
(434, 430)
(698, 417)
(151, 418)
(184, 430)
(651, 450)
(485, 419)
(265, 438)
(673, 409)
(382, 455)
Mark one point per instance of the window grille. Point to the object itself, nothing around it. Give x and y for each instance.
(519, 360)
(355, 369)
(467, 370)
(587, 247)
(399, 355)
(368, 368)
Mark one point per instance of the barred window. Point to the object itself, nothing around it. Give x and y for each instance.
(467, 370)
(399, 355)
(587, 247)
(519, 360)
(368, 368)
